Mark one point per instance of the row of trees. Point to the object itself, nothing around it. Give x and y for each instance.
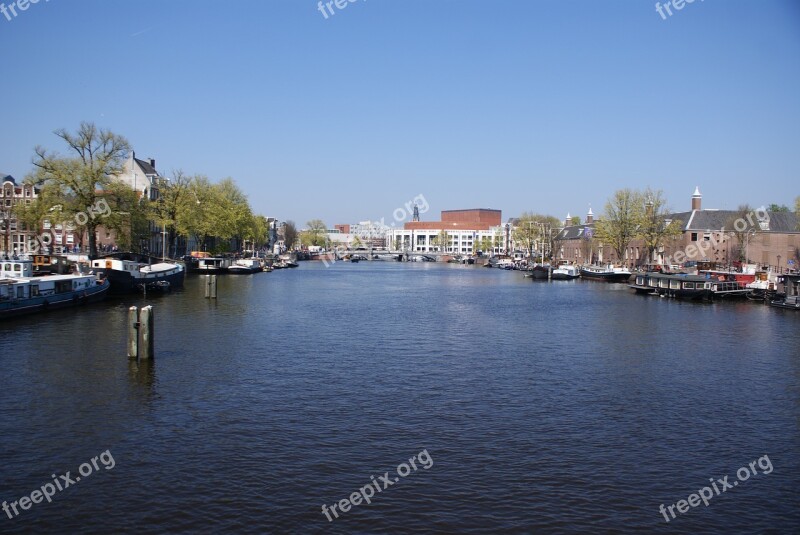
(188, 206)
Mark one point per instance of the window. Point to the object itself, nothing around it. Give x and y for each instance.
(707, 236)
(694, 236)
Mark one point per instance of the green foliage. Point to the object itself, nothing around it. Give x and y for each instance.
(620, 225)
(778, 208)
(316, 233)
(536, 232)
(77, 181)
(442, 241)
(654, 227)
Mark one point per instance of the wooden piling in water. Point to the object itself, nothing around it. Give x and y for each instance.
(146, 345)
(213, 286)
(133, 324)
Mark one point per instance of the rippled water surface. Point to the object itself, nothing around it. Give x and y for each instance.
(548, 408)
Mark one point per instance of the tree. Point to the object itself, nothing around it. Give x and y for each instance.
(356, 243)
(587, 245)
(174, 201)
(742, 226)
(485, 244)
(442, 241)
(778, 208)
(655, 227)
(317, 232)
(527, 231)
(289, 234)
(620, 224)
(77, 181)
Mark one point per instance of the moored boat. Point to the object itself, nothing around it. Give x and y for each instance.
(245, 266)
(565, 272)
(790, 298)
(202, 262)
(128, 272)
(608, 273)
(22, 293)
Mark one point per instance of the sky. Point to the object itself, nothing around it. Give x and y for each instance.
(518, 105)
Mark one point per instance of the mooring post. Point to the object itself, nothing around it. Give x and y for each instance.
(133, 323)
(213, 286)
(146, 345)
(549, 273)
(208, 286)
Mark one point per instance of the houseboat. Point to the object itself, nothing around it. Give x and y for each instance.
(202, 262)
(22, 293)
(608, 273)
(565, 272)
(244, 266)
(129, 272)
(790, 298)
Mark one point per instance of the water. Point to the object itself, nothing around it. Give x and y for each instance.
(568, 407)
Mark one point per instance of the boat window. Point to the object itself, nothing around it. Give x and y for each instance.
(20, 291)
(688, 285)
(17, 267)
(34, 290)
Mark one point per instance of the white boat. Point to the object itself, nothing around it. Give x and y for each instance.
(565, 272)
(246, 266)
(22, 293)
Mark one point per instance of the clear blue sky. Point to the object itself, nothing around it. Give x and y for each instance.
(521, 105)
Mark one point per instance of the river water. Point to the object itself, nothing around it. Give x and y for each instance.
(565, 407)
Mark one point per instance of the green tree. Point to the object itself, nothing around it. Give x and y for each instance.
(620, 224)
(655, 227)
(174, 202)
(77, 181)
(317, 232)
(778, 208)
(442, 241)
(527, 231)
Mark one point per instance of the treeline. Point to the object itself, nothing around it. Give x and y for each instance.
(71, 186)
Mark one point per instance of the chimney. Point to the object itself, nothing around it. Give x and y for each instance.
(152, 163)
(568, 220)
(590, 216)
(697, 199)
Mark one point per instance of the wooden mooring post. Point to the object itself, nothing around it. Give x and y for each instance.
(141, 343)
(211, 286)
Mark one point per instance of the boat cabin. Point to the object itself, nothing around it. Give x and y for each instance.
(15, 269)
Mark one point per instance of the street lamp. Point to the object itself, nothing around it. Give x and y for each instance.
(779, 264)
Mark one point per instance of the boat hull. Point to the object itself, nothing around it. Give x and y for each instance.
(605, 276)
(123, 282)
(52, 302)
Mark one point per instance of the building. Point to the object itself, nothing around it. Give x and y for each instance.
(17, 237)
(769, 239)
(458, 232)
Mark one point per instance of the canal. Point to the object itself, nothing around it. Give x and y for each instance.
(528, 407)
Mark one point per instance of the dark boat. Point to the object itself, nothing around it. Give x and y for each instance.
(790, 298)
(130, 272)
(22, 293)
(607, 273)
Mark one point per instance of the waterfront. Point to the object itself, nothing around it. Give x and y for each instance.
(546, 407)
